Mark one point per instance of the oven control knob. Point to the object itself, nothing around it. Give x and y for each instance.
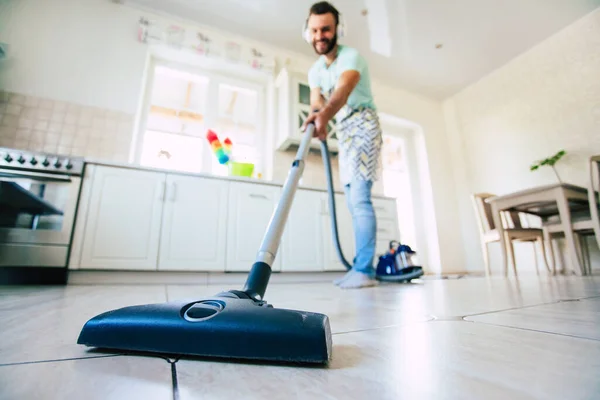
(21, 160)
(45, 163)
(33, 161)
(69, 165)
(57, 163)
(8, 158)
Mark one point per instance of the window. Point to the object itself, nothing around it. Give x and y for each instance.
(184, 105)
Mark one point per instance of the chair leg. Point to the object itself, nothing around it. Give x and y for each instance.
(535, 258)
(589, 259)
(548, 239)
(511, 250)
(580, 251)
(543, 248)
(585, 255)
(486, 258)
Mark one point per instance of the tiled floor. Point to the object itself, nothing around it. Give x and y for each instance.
(470, 338)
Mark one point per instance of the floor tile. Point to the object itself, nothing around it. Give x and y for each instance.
(44, 323)
(461, 297)
(579, 318)
(105, 378)
(432, 360)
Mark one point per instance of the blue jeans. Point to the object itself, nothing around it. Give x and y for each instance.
(364, 224)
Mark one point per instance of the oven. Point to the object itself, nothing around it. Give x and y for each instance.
(39, 193)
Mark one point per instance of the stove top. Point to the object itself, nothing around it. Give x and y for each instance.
(26, 160)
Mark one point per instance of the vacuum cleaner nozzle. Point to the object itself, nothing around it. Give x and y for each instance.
(229, 325)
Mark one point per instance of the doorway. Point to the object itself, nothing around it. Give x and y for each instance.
(405, 177)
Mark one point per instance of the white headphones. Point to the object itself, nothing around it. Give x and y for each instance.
(341, 29)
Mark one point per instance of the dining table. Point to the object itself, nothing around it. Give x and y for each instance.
(561, 200)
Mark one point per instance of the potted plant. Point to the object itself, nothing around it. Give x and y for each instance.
(550, 161)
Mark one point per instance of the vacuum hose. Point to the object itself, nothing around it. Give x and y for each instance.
(334, 228)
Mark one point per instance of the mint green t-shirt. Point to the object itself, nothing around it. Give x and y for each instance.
(326, 78)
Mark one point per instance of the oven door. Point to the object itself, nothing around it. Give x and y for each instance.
(37, 208)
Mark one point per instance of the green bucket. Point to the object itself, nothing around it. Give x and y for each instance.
(241, 169)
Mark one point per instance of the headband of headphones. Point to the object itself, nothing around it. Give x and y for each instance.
(341, 28)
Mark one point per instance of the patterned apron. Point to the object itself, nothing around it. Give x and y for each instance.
(360, 141)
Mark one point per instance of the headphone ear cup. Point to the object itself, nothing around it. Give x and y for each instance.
(305, 32)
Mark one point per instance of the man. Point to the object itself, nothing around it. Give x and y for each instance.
(341, 88)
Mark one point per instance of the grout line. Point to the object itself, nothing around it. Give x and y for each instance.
(535, 330)
(59, 360)
(530, 306)
(382, 327)
(174, 377)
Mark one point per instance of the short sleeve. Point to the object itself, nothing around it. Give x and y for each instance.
(313, 78)
(350, 60)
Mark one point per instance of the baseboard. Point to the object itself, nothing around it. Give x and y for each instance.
(95, 277)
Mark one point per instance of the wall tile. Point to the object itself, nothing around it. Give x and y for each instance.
(40, 124)
(13, 109)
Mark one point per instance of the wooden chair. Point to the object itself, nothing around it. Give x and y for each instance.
(584, 225)
(514, 231)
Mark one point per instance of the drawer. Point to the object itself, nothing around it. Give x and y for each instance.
(385, 209)
(387, 230)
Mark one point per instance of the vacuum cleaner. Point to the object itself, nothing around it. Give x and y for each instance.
(236, 324)
(397, 265)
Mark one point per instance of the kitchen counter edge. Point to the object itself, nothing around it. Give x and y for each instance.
(209, 176)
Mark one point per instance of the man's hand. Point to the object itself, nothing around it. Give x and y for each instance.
(320, 122)
(345, 85)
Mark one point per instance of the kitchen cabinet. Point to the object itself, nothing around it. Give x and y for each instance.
(122, 228)
(193, 233)
(143, 219)
(251, 207)
(302, 244)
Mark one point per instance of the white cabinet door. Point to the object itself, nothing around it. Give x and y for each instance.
(124, 216)
(250, 209)
(345, 234)
(194, 226)
(303, 237)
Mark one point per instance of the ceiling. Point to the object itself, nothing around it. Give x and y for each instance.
(477, 36)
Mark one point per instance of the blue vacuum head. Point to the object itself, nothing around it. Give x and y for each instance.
(229, 325)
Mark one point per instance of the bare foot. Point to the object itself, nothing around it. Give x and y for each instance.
(358, 280)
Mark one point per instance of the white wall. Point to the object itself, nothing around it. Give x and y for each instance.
(81, 51)
(86, 52)
(545, 100)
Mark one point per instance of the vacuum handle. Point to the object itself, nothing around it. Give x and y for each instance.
(258, 279)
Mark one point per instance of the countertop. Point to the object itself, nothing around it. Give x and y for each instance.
(210, 176)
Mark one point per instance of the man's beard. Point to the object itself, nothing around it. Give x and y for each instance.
(331, 44)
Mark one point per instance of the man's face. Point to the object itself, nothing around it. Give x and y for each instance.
(323, 32)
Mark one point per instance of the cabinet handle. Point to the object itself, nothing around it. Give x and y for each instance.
(258, 196)
(173, 192)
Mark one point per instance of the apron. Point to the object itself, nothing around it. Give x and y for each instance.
(359, 142)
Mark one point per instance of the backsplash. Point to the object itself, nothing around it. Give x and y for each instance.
(40, 124)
